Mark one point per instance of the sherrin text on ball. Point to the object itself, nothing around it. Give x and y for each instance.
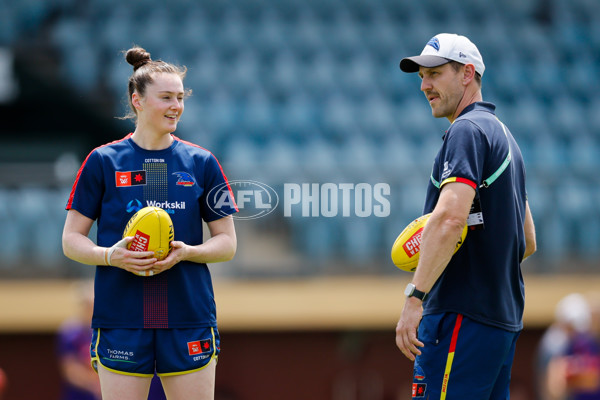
(152, 230)
(407, 247)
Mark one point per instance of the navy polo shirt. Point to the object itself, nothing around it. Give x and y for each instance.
(483, 279)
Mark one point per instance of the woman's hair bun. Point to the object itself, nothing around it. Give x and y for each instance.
(137, 57)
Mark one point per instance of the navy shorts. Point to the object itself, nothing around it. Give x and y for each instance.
(141, 352)
(462, 359)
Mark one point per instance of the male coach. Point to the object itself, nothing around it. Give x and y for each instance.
(468, 307)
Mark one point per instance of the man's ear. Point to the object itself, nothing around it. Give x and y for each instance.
(468, 74)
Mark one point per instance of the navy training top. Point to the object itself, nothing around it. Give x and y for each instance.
(483, 279)
(187, 181)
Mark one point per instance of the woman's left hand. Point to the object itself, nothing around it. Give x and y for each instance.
(177, 254)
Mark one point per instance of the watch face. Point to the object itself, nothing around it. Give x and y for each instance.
(409, 289)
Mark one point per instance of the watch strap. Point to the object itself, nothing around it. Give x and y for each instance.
(418, 294)
(412, 291)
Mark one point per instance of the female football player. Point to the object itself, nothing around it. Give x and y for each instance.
(165, 322)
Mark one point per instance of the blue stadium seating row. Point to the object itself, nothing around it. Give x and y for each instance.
(310, 91)
(568, 222)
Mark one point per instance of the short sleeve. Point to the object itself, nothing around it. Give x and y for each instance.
(462, 155)
(218, 200)
(88, 189)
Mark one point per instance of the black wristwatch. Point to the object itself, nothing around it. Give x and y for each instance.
(412, 291)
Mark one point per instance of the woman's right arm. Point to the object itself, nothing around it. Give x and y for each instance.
(76, 243)
(79, 247)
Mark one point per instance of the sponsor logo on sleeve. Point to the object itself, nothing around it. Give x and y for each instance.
(447, 170)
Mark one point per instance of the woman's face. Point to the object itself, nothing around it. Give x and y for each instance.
(161, 107)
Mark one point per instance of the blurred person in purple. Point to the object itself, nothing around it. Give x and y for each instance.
(582, 360)
(569, 352)
(80, 381)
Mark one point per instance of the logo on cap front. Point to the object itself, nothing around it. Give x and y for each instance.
(435, 43)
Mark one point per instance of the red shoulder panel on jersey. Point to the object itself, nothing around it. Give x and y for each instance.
(70, 202)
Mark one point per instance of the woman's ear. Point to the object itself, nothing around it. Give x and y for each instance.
(136, 101)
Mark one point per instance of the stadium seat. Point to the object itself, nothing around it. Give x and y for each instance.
(320, 73)
(240, 158)
(298, 116)
(360, 240)
(258, 115)
(339, 115)
(320, 160)
(376, 117)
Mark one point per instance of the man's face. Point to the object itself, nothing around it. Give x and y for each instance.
(443, 88)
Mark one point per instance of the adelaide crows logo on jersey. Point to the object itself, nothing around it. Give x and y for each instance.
(130, 178)
(185, 179)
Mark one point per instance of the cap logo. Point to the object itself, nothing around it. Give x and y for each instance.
(461, 54)
(435, 43)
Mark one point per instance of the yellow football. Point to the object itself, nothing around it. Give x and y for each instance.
(152, 230)
(406, 248)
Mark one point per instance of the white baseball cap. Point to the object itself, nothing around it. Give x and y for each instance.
(443, 48)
